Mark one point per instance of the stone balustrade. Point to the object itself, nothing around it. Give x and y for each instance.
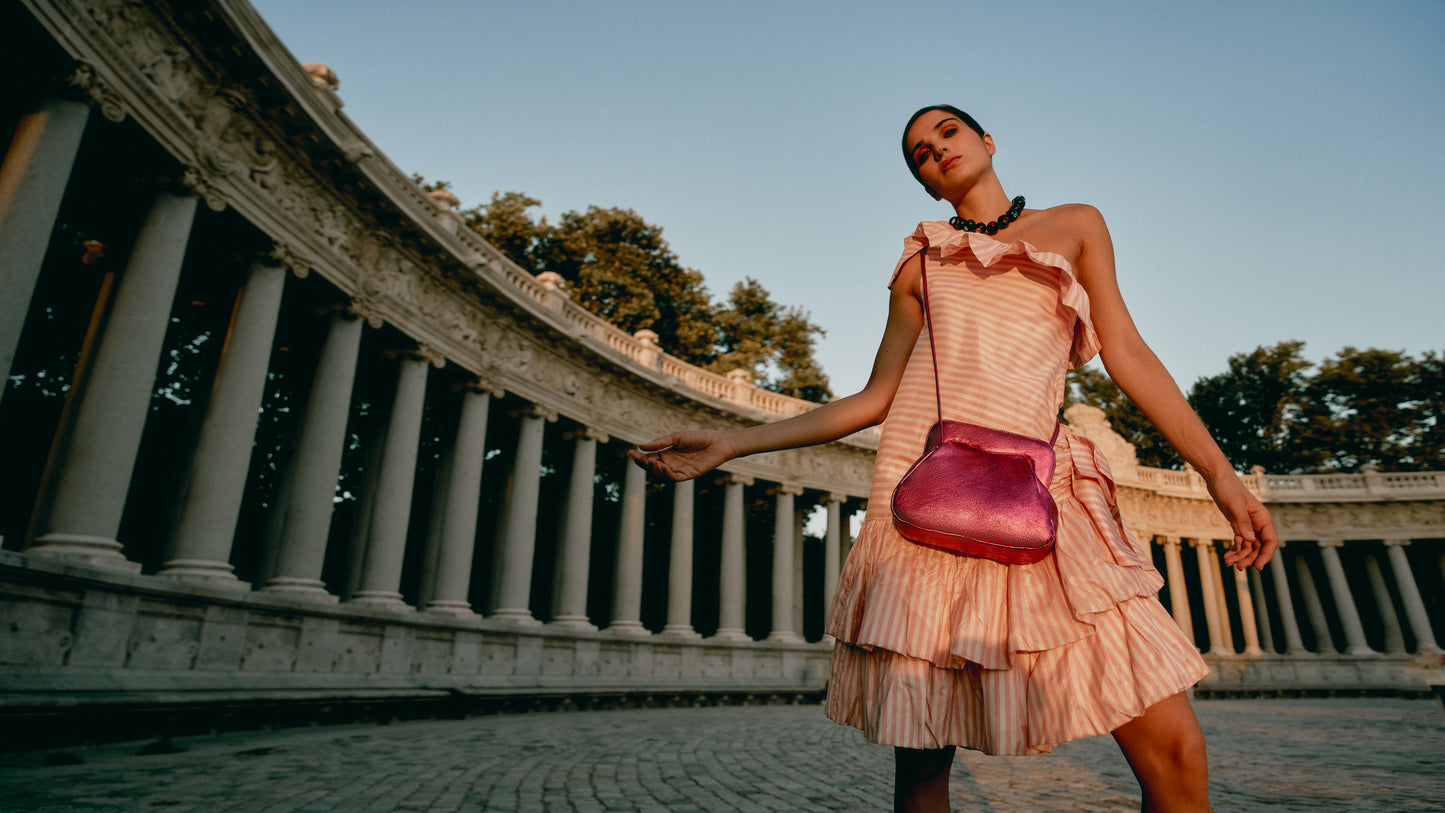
(445, 506)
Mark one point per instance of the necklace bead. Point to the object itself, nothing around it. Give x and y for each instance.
(963, 224)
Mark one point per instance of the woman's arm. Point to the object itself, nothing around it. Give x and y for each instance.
(1142, 377)
(685, 455)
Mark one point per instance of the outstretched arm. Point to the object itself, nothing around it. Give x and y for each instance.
(1142, 377)
(685, 455)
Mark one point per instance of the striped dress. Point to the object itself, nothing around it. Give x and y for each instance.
(937, 649)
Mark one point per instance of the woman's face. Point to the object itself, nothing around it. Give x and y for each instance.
(949, 155)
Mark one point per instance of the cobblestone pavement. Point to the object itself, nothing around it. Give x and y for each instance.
(1353, 755)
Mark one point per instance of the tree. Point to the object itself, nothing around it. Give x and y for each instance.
(1094, 387)
(772, 342)
(619, 267)
(1255, 409)
(1375, 407)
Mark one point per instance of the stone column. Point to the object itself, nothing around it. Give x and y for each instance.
(679, 564)
(1344, 602)
(94, 463)
(1410, 597)
(316, 465)
(1246, 614)
(391, 512)
(783, 542)
(832, 550)
(1293, 644)
(1178, 591)
(627, 577)
(1324, 641)
(519, 543)
(732, 569)
(800, 518)
(569, 595)
(1261, 607)
(1204, 551)
(452, 577)
(223, 453)
(32, 183)
(1226, 631)
(1394, 636)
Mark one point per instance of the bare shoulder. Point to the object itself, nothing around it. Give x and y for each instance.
(1069, 229)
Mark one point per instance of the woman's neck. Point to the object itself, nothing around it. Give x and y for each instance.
(985, 201)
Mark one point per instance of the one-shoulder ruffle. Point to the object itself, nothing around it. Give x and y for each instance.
(951, 244)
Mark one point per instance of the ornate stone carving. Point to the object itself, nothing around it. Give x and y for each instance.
(84, 81)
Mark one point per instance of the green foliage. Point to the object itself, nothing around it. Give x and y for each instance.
(618, 266)
(1094, 387)
(1254, 410)
(1274, 409)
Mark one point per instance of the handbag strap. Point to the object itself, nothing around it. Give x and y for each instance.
(933, 348)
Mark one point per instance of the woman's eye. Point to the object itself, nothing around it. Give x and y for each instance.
(920, 156)
(949, 133)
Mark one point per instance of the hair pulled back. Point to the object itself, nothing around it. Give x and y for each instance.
(947, 108)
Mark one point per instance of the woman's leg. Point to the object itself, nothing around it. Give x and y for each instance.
(1165, 748)
(921, 780)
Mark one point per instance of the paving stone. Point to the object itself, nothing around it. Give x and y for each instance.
(1362, 755)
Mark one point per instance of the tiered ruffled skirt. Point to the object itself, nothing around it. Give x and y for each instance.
(936, 649)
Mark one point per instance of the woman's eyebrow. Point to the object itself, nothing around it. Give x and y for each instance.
(940, 123)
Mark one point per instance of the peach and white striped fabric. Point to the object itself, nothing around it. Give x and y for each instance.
(936, 649)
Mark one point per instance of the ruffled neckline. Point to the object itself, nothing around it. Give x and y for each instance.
(954, 245)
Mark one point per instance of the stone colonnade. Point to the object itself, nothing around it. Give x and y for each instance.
(1253, 613)
(94, 455)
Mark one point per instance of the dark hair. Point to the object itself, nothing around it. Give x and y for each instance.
(962, 116)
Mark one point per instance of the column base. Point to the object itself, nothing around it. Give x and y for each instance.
(91, 550)
(311, 589)
(1252, 652)
(455, 609)
(382, 599)
(785, 637)
(1361, 651)
(1428, 649)
(204, 571)
(520, 618)
(680, 631)
(575, 623)
(632, 628)
(731, 634)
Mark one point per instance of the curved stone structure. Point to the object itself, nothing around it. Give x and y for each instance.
(486, 536)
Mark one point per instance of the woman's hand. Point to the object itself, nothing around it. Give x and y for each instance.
(684, 455)
(1255, 540)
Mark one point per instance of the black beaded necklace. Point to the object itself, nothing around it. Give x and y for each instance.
(990, 228)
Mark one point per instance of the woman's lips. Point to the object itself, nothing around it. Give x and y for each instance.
(948, 163)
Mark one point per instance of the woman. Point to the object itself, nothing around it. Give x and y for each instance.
(936, 650)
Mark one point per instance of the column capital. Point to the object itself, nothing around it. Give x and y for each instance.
(587, 433)
(833, 496)
(200, 183)
(787, 488)
(535, 411)
(1397, 543)
(1330, 543)
(283, 255)
(733, 479)
(1168, 541)
(83, 83)
(1201, 543)
(479, 384)
(421, 352)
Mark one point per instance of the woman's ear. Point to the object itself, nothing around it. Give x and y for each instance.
(988, 144)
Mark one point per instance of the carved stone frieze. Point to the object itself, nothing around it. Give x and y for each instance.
(1365, 520)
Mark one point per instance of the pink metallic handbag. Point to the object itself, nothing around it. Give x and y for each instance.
(978, 491)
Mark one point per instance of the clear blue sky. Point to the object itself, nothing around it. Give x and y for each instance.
(1270, 170)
